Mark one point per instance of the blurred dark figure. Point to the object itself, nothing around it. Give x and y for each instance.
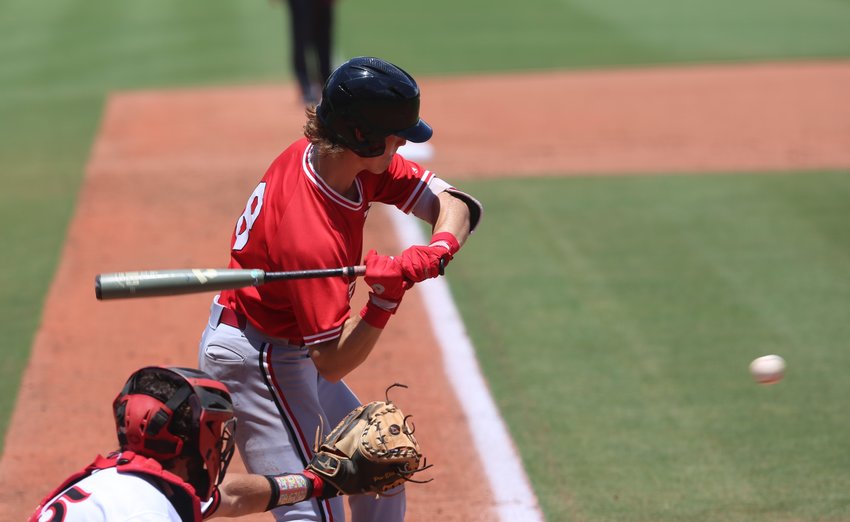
(312, 28)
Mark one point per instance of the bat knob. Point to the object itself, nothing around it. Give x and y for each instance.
(442, 266)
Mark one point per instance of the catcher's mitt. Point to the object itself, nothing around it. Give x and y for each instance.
(371, 450)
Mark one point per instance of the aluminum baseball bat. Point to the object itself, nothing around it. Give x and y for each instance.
(154, 283)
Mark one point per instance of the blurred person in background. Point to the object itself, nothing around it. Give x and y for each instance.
(311, 29)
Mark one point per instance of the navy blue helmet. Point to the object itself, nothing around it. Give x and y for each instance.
(367, 99)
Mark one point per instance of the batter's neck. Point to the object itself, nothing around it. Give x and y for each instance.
(339, 172)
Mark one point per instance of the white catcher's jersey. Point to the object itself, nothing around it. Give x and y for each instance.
(107, 495)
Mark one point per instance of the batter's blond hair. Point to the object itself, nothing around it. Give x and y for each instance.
(319, 135)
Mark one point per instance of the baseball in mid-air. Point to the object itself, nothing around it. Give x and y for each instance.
(768, 369)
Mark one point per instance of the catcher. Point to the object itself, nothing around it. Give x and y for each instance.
(175, 433)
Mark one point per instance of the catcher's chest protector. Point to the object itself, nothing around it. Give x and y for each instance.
(184, 499)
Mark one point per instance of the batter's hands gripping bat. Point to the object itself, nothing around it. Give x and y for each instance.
(195, 280)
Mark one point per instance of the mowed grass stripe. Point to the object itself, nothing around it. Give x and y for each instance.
(478, 36)
(615, 319)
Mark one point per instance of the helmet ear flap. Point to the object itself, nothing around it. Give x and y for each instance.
(369, 146)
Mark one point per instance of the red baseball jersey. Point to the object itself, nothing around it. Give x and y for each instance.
(295, 221)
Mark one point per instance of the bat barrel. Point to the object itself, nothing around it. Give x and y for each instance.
(173, 282)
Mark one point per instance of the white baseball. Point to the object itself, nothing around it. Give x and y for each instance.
(768, 369)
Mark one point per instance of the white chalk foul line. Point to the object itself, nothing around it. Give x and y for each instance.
(515, 500)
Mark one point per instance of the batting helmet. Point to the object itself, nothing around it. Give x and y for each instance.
(151, 420)
(367, 99)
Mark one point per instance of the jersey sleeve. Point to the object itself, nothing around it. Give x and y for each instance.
(414, 190)
(404, 185)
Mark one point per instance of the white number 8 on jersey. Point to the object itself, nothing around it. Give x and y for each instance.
(246, 220)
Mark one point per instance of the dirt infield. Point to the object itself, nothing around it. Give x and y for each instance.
(170, 170)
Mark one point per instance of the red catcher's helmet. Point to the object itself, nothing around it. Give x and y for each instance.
(367, 99)
(144, 418)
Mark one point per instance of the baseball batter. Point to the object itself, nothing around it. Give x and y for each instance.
(283, 348)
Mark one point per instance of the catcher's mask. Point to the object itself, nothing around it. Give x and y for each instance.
(145, 420)
(367, 99)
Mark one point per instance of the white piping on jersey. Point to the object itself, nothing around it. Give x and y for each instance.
(335, 196)
(424, 181)
(323, 336)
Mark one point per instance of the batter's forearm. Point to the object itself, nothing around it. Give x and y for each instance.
(453, 217)
(336, 359)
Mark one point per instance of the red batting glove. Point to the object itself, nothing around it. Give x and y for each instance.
(419, 263)
(384, 276)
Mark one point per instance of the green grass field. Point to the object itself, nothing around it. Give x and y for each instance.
(643, 299)
(639, 302)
